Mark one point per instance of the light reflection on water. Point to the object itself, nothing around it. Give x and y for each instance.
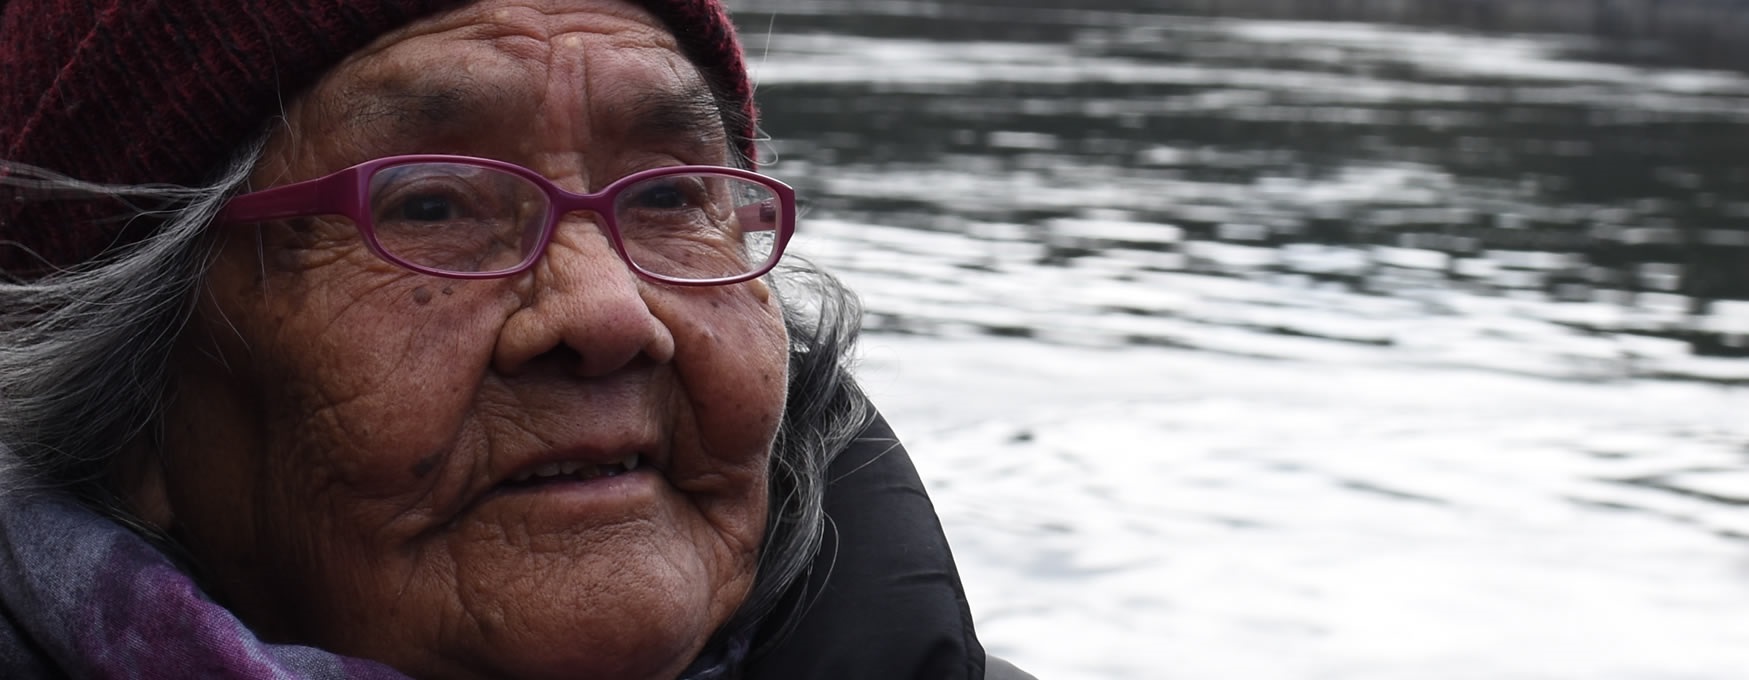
(1247, 348)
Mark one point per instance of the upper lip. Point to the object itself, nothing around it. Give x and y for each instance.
(568, 462)
(648, 455)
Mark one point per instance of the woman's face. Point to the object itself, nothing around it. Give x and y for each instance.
(350, 445)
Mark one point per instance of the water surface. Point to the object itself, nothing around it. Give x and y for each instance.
(1265, 348)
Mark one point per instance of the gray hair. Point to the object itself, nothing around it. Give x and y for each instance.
(85, 352)
(85, 358)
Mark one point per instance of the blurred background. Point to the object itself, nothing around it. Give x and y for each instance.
(1301, 338)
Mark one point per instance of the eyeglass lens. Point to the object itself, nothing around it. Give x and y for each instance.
(466, 218)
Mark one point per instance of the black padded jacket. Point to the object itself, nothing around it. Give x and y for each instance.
(884, 600)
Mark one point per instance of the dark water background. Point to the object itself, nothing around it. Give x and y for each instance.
(1609, 169)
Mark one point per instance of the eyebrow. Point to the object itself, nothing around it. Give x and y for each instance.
(415, 109)
(654, 116)
(691, 114)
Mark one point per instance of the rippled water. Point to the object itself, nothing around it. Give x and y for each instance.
(1290, 349)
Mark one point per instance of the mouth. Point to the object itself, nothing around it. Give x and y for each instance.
(573, 471)
(561, 490)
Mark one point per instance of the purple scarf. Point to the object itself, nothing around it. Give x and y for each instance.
(83, 597)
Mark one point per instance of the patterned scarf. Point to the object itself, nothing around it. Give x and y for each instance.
(83, 597)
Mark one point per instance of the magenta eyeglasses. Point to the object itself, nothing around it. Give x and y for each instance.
(474, 218)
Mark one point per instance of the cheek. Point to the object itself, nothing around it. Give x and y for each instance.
(731, 359)
(322, 392)
(396, 361)
(731, 352)
(311, 425)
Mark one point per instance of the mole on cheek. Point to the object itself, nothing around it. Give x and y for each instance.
(424, 466)
(422, 295)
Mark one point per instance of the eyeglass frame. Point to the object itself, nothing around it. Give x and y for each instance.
(346, 192)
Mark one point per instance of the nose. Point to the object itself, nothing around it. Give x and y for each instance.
(583, 308)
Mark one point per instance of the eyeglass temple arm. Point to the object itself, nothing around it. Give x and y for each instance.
(319, 196)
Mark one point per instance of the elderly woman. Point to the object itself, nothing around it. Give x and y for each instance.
(462, 357)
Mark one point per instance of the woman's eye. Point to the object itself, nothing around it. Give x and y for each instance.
(666, 195)
(427, 208)
(434, 193)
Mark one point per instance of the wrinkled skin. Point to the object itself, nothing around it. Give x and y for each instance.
(340, 426)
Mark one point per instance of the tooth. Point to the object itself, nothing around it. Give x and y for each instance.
(548, 470)
(631, 462)
(570, 468)
(522, 476)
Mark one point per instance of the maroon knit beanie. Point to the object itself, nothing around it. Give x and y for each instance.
(165, 91)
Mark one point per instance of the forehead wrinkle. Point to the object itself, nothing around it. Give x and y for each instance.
(396, 106)
(528, 30)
